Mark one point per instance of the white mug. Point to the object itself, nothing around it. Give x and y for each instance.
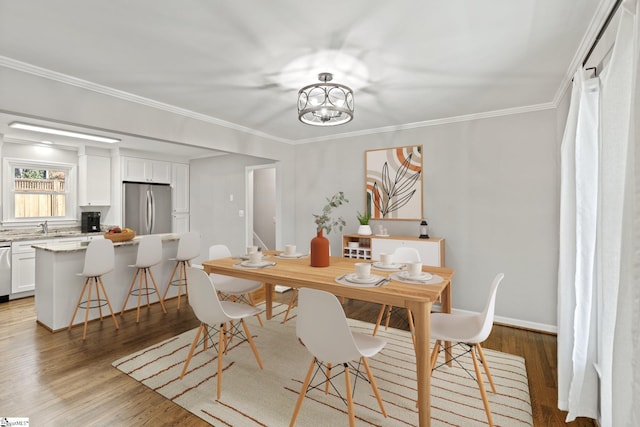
(414, 269)
(385, 259)
(363, 270)
(290, 249)
(252, 249)
(255, 257)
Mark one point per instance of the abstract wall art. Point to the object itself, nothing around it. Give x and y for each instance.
(394, 182)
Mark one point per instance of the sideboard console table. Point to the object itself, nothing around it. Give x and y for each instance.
(369, 247)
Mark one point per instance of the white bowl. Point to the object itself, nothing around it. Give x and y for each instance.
(353, 244)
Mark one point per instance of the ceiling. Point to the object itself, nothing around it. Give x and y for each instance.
(234, 62)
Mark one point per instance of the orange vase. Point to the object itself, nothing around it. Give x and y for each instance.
(319, 251)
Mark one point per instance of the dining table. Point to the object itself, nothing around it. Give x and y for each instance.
(296, 272)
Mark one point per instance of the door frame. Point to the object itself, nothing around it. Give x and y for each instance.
(249, 174)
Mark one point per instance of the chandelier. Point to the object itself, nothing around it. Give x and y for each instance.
(324, 103)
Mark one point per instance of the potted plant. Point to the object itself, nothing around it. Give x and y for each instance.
(319, 253)
(364, 228)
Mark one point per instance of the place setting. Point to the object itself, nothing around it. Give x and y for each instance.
(414, 275)
(386, 263)
(255, 260)
(290, 253)
(362, 277)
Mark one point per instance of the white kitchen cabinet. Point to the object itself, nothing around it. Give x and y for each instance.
(180, 222)
(23, 266)
(145, 170)
(94, 184)
(370, 247)
(180, 185)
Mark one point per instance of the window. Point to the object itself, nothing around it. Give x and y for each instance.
(37, 190)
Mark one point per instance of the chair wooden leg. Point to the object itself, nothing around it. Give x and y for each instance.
(374, 386)
(75, 311)
(434, 355)
(253, 345)
(220, 353)
(326, 384)
(94, 282)
(379, 320)
(173, 273)
(142, 273)
(386, 324)
(86, 314)
(303, 392)
(486, 367)
(483, 392)
(294, 295)
(347, 379)
(126, 300)
(252, 302)
(192, 349)
(411, 327)
(104, 291)
(155, 286)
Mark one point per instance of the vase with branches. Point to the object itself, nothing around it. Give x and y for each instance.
(319, 253)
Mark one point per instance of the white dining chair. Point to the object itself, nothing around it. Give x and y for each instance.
(219, 316)
(233, 288)
(467, 331)
(401, 255)
(322, 328)
(188, 249)
(99, 259)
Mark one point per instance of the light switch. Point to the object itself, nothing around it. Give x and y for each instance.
(231, 197)
(241, 213)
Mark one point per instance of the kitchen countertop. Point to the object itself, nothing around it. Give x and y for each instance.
(18, 234)
(82, 246)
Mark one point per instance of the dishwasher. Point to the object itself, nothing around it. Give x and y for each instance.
(5, 271)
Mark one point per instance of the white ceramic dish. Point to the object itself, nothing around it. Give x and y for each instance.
(420, 277)
(296, 255)
(392, 266)
(255, 264)
(355, 279)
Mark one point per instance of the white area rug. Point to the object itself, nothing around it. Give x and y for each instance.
(255, 397)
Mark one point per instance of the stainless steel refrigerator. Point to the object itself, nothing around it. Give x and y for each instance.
(147, 207)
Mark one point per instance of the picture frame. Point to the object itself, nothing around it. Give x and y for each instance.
(394, 183)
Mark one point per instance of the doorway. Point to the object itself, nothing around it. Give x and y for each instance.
(263, 206)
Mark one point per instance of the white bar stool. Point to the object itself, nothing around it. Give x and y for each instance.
(149, 254)
(99, 259)
(188, 249)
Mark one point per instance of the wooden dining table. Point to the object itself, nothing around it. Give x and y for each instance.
(419, 298)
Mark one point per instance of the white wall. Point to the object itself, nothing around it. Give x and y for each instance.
(490, 189)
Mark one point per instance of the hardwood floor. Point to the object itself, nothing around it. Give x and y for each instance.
(57, 379)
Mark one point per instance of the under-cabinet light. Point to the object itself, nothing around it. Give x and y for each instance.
(52, 131)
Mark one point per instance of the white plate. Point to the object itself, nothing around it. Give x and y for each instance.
(421, 277)
(296, 255)
(392, 266)
(353, 278)
(255, 264)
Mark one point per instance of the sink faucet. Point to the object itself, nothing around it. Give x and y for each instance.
(45, 227)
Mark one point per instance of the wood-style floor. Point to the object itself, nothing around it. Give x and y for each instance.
(56, 379)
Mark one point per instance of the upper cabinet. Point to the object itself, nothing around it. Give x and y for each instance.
(144, 170)
(180, 184)
(94, 186)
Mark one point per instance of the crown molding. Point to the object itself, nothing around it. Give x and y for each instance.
(126, 96)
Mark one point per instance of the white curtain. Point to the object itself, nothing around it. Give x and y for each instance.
(598, 279)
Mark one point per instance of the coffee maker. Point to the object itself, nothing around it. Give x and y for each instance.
(90, 222)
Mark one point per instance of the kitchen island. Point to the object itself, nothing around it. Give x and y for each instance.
(58, 284)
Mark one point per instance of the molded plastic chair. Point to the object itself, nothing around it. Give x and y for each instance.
(233, 288)
(99, 259)
(323, 329)
(468, 331)
(216, 314)
(149, 254)
(400, 255)
(188, 249)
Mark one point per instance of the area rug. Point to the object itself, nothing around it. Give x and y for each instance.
(255, 397)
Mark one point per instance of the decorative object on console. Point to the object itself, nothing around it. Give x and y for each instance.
(364, 228)
(325, 104)
(394, 182)
(117, 234)
(424, 229)
(319, 252)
